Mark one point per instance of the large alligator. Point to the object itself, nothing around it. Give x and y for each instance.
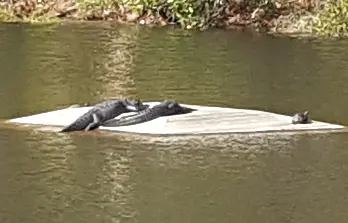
(165, 108)
(102, 112)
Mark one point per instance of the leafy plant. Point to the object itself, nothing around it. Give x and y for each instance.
(333, 20)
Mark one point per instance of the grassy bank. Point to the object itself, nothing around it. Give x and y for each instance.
(277, 16)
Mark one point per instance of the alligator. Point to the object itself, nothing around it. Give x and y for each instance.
(102, 112)
(165, 108)
(301, 118)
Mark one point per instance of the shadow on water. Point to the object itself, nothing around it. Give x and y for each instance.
(95, 177)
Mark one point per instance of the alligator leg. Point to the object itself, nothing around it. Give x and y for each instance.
(93, 125)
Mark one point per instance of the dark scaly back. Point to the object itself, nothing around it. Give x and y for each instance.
(104, 110)
(165, 108)
(117, 107)
(110, 109)
(142, 116)
(82, 122)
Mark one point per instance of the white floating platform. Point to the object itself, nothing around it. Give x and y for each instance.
(206, 120)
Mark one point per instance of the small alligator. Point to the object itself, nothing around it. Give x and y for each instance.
(301, 118)
(102, 112)
(165, 108)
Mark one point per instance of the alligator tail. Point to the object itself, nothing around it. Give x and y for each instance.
(143, 116)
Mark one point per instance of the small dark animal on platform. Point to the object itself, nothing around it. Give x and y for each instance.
(301, 118)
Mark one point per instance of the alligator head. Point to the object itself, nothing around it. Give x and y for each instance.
(174, 108)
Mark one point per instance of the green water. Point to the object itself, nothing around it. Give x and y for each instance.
(92, 177)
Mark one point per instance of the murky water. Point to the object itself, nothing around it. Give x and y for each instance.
(94, 177)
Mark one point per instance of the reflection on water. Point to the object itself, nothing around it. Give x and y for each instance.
(274, 183)
(106, 177)
(98, 178)
(59, 182)
(118, 65)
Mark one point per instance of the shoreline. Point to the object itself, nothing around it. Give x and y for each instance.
(274, 18)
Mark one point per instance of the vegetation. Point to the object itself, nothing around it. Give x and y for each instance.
(187, 13)
(323, 17)
(333, 19)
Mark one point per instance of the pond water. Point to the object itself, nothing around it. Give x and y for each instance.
(92, 177)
